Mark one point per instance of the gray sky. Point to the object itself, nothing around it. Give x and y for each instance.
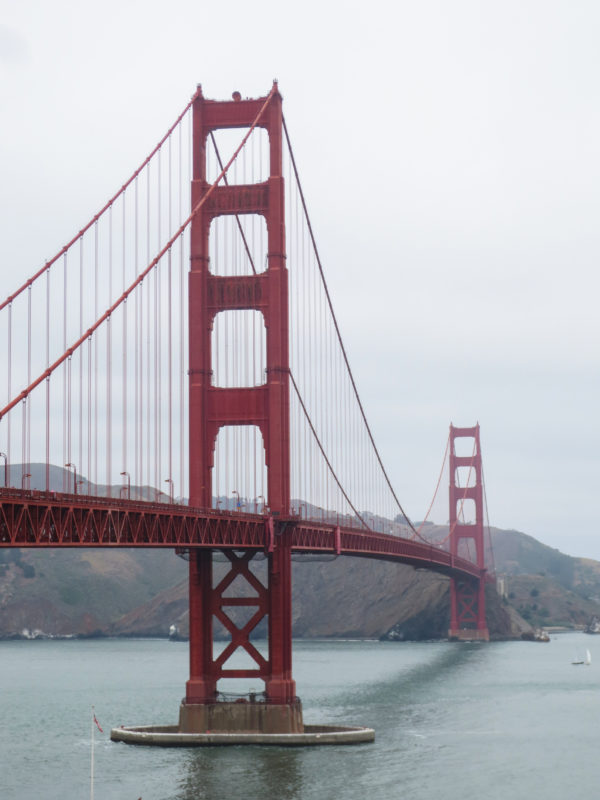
(449, 155)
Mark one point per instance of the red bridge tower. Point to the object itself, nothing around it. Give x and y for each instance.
(467, 597)
(266, 406)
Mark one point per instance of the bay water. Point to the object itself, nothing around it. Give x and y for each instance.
(500, 720)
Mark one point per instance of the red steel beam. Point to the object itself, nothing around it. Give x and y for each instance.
(29, 518)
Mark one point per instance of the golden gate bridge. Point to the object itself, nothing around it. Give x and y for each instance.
(183, 349)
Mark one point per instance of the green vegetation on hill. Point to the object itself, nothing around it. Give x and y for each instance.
(547, 587)
(518, 554)
(64, 592)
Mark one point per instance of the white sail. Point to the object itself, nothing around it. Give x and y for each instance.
(588, 657)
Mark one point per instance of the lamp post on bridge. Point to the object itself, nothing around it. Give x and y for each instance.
(128, 487)
(237, 494)
(5, 457)
(74, 468)
(256, 499)
(25, 479)
(171, 488)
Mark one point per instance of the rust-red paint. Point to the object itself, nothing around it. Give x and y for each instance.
(264, 406)
(467, 596)
(29, 518)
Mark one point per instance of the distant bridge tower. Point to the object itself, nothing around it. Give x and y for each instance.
(467, 597)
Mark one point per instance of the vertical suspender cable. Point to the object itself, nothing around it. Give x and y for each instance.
(28, 425)
(80, 409)
(69, 416)
(8, 379)
(170, 333)
(47, 380)
(136, 342)
(149, 437)
(158, 332)
(181, 327)
(170, 374)
(89, 413)
(96, 420)
(181, 370)
(24, 470)
(65, 459)
(124, 344)
(108, 432)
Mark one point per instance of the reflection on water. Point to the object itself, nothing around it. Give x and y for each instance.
(241, 772)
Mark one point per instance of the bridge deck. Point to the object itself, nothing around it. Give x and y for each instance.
(30, 518)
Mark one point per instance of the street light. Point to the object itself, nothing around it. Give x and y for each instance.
(237, 494)
(25, 477)
(256, 499)
(5, 457)
(74, 468)
(126, 474)
(171, 488)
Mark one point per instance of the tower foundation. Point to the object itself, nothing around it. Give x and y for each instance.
(242, 716)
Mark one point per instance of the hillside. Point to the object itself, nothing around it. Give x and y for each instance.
(142, 593)
(546, 586)
(63, 592)
(66, 592)
(344, 598)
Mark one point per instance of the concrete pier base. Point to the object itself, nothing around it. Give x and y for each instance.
(241, 721)
(469, 635)
(242, 716)
(171, 736)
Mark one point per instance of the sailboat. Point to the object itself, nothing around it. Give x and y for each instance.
(587, 660)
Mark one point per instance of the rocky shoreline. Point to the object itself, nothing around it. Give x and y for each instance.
(37, 635)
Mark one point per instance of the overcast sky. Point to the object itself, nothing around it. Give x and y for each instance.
(449, 155)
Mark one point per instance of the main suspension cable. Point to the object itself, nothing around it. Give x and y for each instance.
(420, 528)
(323, 453)
(339, 336)
(106, 206)
(107, 314)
